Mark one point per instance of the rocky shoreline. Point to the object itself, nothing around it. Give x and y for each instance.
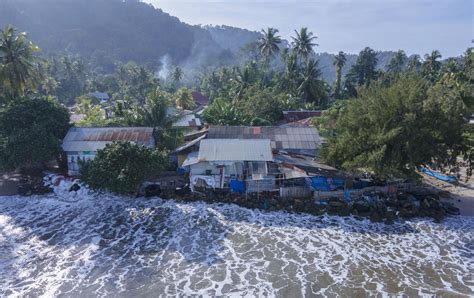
(371, 205)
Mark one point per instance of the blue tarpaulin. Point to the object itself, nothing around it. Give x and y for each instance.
(237, 186)
(327, 184)
(446, 178)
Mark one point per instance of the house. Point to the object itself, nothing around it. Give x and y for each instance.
(298, 139)
(179, 155)
(103, 97)
(292, 116)
(303, 140)
(82, 144)
(200, 99)
(219, 161)
(184, 119)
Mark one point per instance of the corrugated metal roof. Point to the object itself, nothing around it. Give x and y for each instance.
(100, 95)
(95, 138)
(187, 120)
(302, 162)
(282, 138)
(228, 150)
(191, 159)
(188, 144)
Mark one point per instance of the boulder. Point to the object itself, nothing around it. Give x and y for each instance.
(152, 190)
(74, 187)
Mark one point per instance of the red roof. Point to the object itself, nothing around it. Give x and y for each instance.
(200, 99)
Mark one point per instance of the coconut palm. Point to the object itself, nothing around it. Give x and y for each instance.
(339, 61)
(177, 74)
(303, 43)
(397, 62)
(269, 44)
(184, 99)
(431, 66)
(18, 71)
(414, 63)
(311, 87)
(289, 81)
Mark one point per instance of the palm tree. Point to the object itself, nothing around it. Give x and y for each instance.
(397, 62)
(339, 61)
(311, 88)
(17, 63)
(431, 67)
(184, 99)
(303, 43)
(269, 44)
(243, 80)
(177, 74)
(414, 63)
(289, 81)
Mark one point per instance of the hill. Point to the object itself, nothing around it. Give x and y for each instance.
(105, 31)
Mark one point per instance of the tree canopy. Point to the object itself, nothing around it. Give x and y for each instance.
(31, 131)
(391, 131)
(121, 167)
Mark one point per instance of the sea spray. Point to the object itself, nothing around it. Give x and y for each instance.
(83, 243)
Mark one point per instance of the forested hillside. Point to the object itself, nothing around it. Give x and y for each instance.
(106, 31)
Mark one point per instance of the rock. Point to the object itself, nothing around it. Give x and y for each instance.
(74, 187)
(450, 209)
(152, 190)
(375, 217)
(439, 215)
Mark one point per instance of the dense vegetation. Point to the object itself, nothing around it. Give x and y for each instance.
(415, 114)
(108, 33)
(388, 121)
(31, 131)
(121, 167)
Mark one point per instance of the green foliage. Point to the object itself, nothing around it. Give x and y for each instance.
(124, 30)
(310, 86)
(269, 44)
(32, 131)
(391, 131)
(94, 117)
(222, 112)
(121, 167)
(397, 63)
(177, 74)
(18, 67)
(431, 67)
(184, 99)
(71, 77)
(339, 61)
(303, 43)
(362, 73)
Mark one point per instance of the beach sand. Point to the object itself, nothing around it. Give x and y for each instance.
(462, 195)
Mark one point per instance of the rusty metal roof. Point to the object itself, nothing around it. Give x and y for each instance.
(230, 150)
(96, 138)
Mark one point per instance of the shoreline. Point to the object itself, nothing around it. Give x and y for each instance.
(461, 197)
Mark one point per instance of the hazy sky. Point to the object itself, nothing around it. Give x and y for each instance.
(416, 26)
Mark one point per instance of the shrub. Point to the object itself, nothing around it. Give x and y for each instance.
(121, 167)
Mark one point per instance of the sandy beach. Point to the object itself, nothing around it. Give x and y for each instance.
(462, 195)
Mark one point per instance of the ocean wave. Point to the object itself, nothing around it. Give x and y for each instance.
(88, 244)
